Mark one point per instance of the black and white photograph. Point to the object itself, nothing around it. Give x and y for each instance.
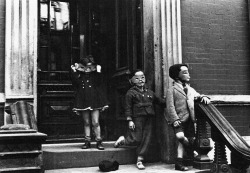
(126, 86)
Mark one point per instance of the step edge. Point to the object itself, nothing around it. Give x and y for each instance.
(77, 143)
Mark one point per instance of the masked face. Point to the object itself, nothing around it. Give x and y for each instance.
(85, 68)
(138, 79)
(184, 74)
(88, 67)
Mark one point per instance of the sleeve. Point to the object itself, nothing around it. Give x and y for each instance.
(197, 96)
(74, 78)
(159, 101)
(171, 115)
(100, 85)
(99, 76)
(129, 105)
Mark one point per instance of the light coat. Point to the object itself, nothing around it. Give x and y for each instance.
(180, 106)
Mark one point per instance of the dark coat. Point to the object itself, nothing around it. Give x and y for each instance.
(89, 90)
(140, 103)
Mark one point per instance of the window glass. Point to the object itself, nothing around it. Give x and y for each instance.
(59, 15)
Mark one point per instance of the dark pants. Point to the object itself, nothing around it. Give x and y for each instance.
(187, 128)
(141, 136)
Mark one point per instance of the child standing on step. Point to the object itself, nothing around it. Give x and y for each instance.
(139, 110)
(180, 110)
(89, 97)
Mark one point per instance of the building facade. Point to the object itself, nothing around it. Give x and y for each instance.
(39, 40)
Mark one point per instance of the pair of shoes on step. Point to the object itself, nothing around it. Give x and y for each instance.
(99, 145)
(120, 141)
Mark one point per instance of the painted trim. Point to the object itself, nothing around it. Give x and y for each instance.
(2, 98)
(247, 139)
(230, 98)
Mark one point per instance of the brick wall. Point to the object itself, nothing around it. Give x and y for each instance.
(215, 39)
(238, 117)
(2, 43)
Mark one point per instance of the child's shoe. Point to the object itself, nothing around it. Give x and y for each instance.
(99, 145)
(140, 166)
(86, 145)
(179, 165)
(120, 141)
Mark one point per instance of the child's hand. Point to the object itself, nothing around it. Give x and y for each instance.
(177, 123)
(74, 67)
(104, 108)
(131, 125)
(98, 68)
(205, 100)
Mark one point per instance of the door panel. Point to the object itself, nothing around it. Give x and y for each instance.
(59, 47)
(58, 119)
(110, 30)
(128, 48)
(127, 57)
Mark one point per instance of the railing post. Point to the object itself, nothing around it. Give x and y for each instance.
(202, 143)
(223, 134)
(220, 164)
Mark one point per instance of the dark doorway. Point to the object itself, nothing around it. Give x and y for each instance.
(110, 30)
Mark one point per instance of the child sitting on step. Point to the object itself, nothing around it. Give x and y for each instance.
(139, 110)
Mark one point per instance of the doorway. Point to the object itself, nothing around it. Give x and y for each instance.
(109, 30)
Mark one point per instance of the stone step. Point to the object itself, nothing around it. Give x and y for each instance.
(156, 167)
(21, 170)
(61, 156)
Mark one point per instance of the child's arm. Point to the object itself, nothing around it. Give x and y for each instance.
(128, 106)
(205, 99)
(160, 101)
(200, 97)
(128, 110)
(74, 74)
(73, 67)
(171, 112)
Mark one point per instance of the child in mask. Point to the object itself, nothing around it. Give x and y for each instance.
(180, 110)
(139, 110)
(89, 97)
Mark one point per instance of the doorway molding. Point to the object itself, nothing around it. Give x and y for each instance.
(167, 51)
(21, 51)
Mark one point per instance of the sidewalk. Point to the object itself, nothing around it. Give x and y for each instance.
(150, 168)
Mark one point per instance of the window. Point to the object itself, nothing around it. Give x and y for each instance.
(59, 39)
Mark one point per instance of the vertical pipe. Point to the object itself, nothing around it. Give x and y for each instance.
(174, 31)
(32, 52)
(8, 44)
(178, 11)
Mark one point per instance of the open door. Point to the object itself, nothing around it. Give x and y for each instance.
(128, 56)
(110, 30)
(65, 34)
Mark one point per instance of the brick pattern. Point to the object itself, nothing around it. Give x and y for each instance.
(215, 39)
(238, 117)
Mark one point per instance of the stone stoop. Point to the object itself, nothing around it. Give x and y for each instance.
(20, 151)
(70, 155)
